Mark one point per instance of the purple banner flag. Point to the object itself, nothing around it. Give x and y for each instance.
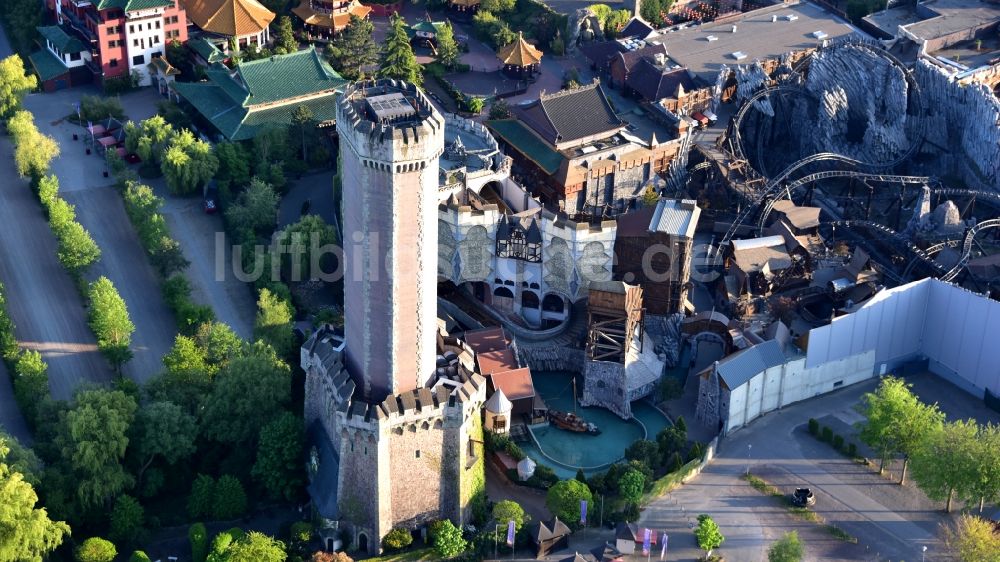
(583, 512)
(663, 553)
(646, 538)
(510, 532)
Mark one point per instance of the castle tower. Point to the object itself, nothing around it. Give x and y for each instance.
(390, 141)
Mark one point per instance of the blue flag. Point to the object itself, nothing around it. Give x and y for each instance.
(583, 512)
(646, 538)
(663, 553)
(510, 532)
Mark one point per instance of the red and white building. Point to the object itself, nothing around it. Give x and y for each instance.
(123, 35)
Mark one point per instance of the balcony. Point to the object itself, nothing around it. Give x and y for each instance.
(79, 26)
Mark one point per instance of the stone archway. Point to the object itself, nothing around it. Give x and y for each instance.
(363, 542)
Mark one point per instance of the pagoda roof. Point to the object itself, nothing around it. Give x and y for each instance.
(335, 20)
(233, 18)
(570, 115)
(206, 49)
(47, 65)
(163, 66)
(265, 92)
(519, 53)
(132, 5)
(427, 26)
(61, 40)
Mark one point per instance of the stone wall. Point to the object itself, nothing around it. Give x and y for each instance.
(548, 357)
(605, 385)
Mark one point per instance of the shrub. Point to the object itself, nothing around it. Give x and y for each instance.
(301, 531)
(99, 108)
(813, 426)
(200, 501)
(31, 383)
(448, 542)
(198, 536)
(229, 501)
(139, 556)
(397, 539)
(827, 434)
(696, 452)
(96, 549)
(838, 442)
(852, 450)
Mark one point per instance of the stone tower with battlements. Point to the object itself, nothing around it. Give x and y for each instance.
(390, 141)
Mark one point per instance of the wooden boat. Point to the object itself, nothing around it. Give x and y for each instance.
(572, 422)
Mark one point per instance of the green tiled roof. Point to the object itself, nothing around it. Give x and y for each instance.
(206, 49)
(224, 102)
(61, 40)
(287, 76)
(132, 5)
(515, 134)
(47, 65)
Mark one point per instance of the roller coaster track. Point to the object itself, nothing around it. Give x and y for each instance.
(770, 201)
(970, 237)
(879, 227)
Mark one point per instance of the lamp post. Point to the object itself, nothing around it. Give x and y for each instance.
(923, 553)
(496, 533)
(749, 446)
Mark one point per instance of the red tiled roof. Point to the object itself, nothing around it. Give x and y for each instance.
(497, 361)
(486, 339)
(515, 384)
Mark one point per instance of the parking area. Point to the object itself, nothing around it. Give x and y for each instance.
(891, 522)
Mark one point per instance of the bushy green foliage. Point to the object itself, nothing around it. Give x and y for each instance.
(98, 108)
(31, 383)
(813, 426)
(96, 549)
(200, 499)
(255, 209)
(448, 541)
(188, 163)
(708, 534)
(279, 457)
(28, 533)
(563, 500)
(826, 434)
(353, 49)
(397, 539)
(109, 319)
(229, 500)
(198, 536)
(631, 485)
(143, 209)
(190, 315)
(787, 549)
(509, 510)
(15, 83)
(127, 520)
(9, 351)
(398, 60)
(139, 556)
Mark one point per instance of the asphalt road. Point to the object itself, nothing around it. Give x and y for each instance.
(101, 211)
(41, 298)
(890, 522)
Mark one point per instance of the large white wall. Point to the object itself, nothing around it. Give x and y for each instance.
(956, 330)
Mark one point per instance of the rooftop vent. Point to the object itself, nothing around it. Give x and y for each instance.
(390, 107)
(820, 34)
(791, 17)
(711, 38)
(739, 55)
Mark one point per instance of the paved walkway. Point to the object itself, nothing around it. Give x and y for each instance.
(891, 522)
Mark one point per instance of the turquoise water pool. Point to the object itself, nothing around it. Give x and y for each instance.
(565, 451)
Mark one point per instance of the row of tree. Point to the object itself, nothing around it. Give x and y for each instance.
(187, 163)
(950, 459)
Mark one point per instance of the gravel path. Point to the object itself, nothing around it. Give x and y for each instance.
(41, 297)
(101, 211)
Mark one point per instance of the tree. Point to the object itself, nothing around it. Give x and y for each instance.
(229, 501)
(563, 500)
(254, 547)
(986, 484)
(475, 104)
(28, 533)
(670, 440)
(14, 84)
(631, 485)
(256, 208)
(188, 163)
(139, 556)
(220, 342)
(33, 151)
(248, 393)
(615, 22)
(274, 322)
(96, 549)
(644, 451)
(279, 457)
(22, 17)
(31, 382)
(302, 121)
(708, 534)
(945, 465)
(200, 499)
(353, 49)
(448, 541)
(398, 60)
(650, 196)
(509, 510)
(109, 319)
(499, 109)
(498, 6)
(164, 430)
(786, 549)
(653, 10)
(973, 539)
(310, 238)
(127, 520)
(447, 48)
(897, 421)
(286, 37)
(397, 539)
(148, 139)
(77, 249)
(234, 167)
(93, 441)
